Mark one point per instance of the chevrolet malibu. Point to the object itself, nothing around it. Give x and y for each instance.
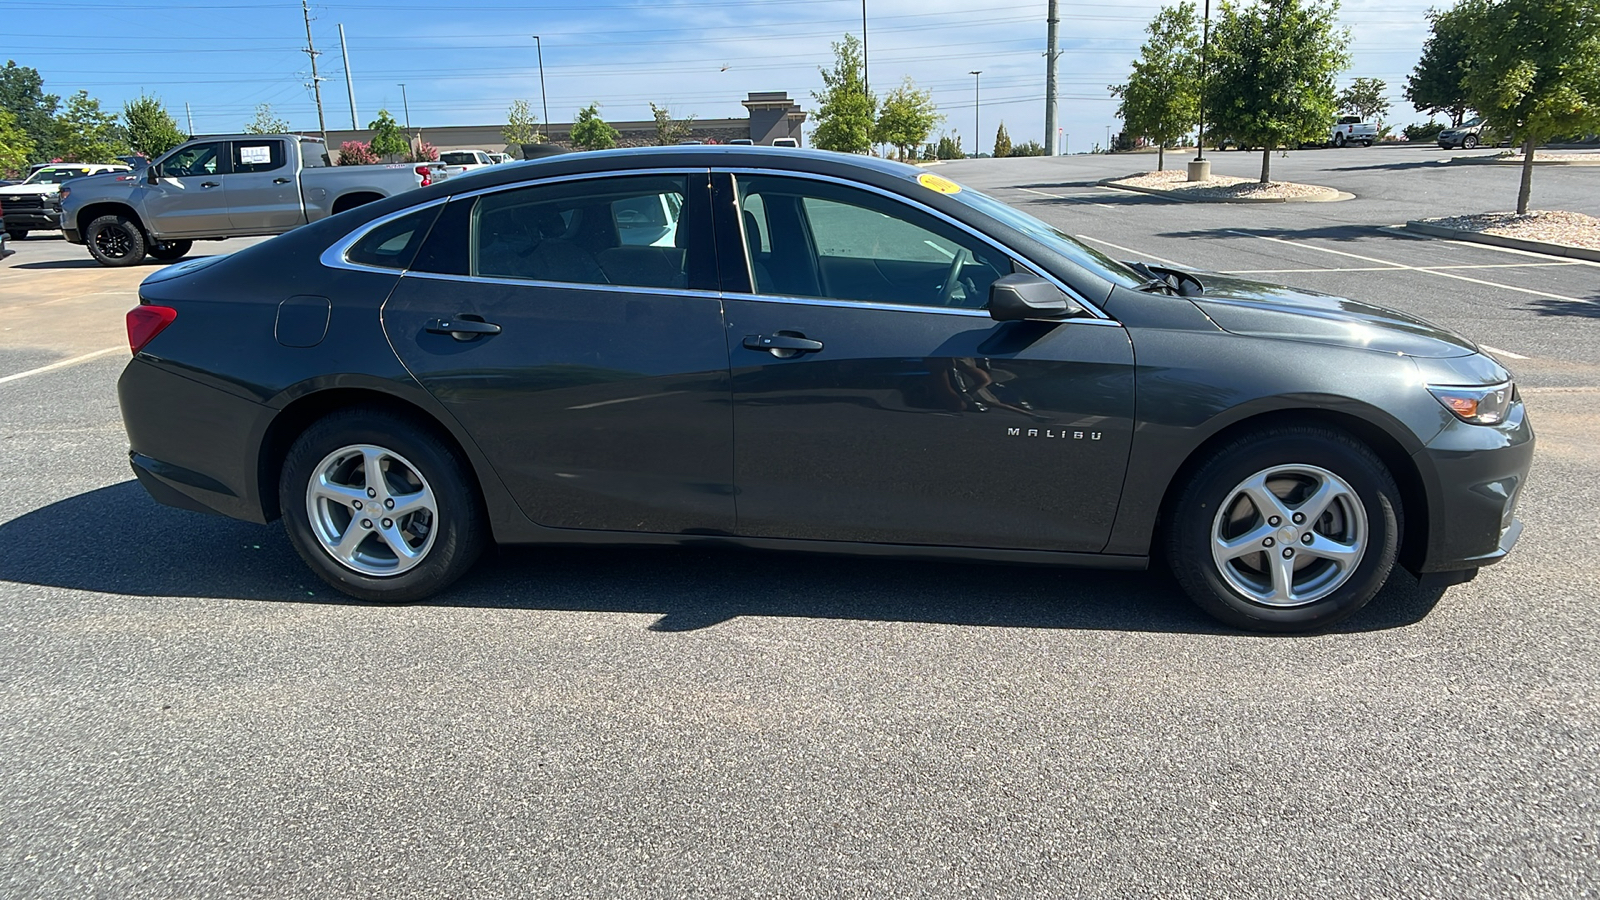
(807, 351)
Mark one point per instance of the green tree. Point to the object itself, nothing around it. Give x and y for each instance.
(521, 124)
(86, 133)
(1535, 71)
(1436, 84)
(949, 148)
(1272, 66)
(1364, 98)
(845, 110)
(151, 129)
(1002, 142)
(590, 132)
(22, 94)
(1162, 97)
(907, 118)
(668, 129)
(15, 145)
(265, 122)
(388, 138)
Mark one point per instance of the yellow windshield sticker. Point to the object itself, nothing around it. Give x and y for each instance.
(934, 183)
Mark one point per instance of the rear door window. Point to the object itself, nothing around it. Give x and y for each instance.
(257, 156)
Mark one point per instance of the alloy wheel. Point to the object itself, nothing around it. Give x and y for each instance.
(1289, 535)
(372, 510)
(113, 242)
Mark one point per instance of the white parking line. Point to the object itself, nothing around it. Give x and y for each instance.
(1425, 271)
(1401, 229)
(1498, 352)
(62, 364)
(1066, 197)
(1137, 254)
(1394, 268)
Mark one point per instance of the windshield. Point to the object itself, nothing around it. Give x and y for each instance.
(1052, 237)
(56, 176)
(1473, 122)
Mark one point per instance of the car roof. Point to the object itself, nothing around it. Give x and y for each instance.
(599, 162)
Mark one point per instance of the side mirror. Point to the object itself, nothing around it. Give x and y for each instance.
(1013, 298)
(153, 175)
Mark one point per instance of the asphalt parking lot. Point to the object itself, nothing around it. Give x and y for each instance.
(185, 712)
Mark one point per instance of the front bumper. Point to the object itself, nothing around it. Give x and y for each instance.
(1477, 474)
(33, 219)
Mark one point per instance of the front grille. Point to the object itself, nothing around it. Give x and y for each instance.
(23, 201)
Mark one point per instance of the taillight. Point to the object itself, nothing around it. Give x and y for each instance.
(145, 322)
(427, 176)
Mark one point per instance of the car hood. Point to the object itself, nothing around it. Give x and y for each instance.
(1255, 309)
(17, 190)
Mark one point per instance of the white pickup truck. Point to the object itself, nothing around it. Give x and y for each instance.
(1351, 130)
(214, 188)
(460, 162)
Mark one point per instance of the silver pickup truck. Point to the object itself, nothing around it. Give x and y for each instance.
(214, 188)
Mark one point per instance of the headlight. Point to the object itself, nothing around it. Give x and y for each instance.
(1483, 405)
(61, 195)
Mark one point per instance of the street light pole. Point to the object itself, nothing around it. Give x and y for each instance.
(1205, 43)
(544, 101)
(866, 86)
(977, 129)
(407, 105)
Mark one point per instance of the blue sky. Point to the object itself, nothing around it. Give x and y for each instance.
(464, 62)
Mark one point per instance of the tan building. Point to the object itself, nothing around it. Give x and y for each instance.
(772, 115)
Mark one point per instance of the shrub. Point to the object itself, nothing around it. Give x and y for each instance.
(356, 153)
(1425, 132)
(424, 152)
(1027, 148)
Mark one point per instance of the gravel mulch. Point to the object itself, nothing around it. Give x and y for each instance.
(1541, 156)
(1223, 187)
(1555, 227)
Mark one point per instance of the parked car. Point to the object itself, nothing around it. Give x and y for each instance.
(785, 142)
(214, 188)
(31, 205)
(498, 158)
(906, 367)
(1351, 130)
(460, 162)
(1468, 135)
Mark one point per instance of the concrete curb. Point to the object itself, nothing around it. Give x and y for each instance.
(1497, 240)
(1498, 161)
(1179, 198)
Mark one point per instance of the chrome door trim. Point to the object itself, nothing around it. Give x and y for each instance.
(334, 256)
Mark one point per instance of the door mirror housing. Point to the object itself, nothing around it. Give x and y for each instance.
(1014, 298)
(153, 174)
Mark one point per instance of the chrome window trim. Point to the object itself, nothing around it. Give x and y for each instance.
(560, 285)
(334, 257)
(1026, 262)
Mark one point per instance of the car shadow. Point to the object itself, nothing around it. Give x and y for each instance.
(1396, 166)
(1582, 308)
(89, 262)
(163, 552)
(1344, 233)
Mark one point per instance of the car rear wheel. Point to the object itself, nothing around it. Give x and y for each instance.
(1469, 142)
(17, 234)
(1338, 140)
(379, 508)
(1366, 143)
(166, 251)
(1286, 529)
(115, 241)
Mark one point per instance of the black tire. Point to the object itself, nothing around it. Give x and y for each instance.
(1470, 142)
(17, 234)
(455, 529)
(1198, 515)
(1366, 143)
(167, 251)
(115, 241)
(1338, 140)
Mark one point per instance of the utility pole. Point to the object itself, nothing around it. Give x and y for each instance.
(406, 104)
(866, 86)
(544, 100)
(1051, 54)
(977, 131)
(316, 80)
(349, 84)
(190, 116)
(1205, 43)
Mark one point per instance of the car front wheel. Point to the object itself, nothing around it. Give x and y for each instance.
(1286, 529)
(115, 241)
(379, 508)
(1469, 142)
(166, 251)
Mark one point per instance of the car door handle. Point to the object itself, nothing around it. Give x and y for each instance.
(777, 343)
(210, 184)
(463, 329)
(280, 181)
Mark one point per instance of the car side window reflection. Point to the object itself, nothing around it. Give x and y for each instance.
(817, 239)
(622, 231)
